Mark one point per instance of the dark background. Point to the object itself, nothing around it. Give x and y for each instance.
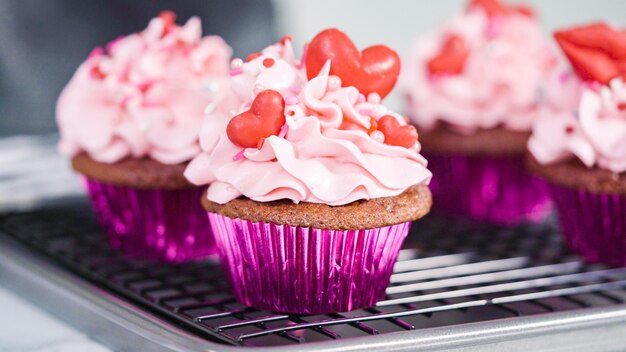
(42, 42)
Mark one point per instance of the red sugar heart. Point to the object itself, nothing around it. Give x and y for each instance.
(265, 118)
(396, 134)
(596, 52)
(373, 70)
(451, 57)
(497, 8)
(169, 20)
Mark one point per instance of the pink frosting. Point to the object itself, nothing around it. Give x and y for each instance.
(144, 96)
(312, 159)
(501, 82)
(595, 133)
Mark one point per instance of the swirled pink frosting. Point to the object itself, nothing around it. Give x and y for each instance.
(324, 153)
(145, 95)
(595, 133)
(501, 82)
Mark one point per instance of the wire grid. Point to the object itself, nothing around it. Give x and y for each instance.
(449, 273)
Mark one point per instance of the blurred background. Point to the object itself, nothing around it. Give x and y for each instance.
(43, 42)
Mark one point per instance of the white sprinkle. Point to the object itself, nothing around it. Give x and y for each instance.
(617, 84)
(144, 126)
(209, 109)
(378, 136)
(236, 63)
(212, 86)
(605, 93)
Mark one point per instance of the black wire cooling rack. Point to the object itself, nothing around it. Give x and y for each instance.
(449, 273)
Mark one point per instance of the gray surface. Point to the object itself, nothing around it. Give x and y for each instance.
(16, 332)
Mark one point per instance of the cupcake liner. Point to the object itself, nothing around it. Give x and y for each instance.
(300, 270)
(491, 189)
(165, 225)
(593, 224)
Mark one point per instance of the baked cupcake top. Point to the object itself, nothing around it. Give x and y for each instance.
(144, 95)
(482, 69)
(590, 125)
(303, 134)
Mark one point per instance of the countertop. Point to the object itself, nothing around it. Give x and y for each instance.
(32, 173)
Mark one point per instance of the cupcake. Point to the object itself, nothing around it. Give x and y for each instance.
(129, 120)
(314, 183)
(474, 87)
(580, 150)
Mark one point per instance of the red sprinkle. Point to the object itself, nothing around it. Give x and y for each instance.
(169, 19)
(96, 73)
(252, 56)
(569, 129)
(621, 106)
(286, 38)
(373, 125)
(269, 62)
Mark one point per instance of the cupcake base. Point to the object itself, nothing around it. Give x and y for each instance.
(156, 224)
(494, 189)
(303, 270)
(593, 224)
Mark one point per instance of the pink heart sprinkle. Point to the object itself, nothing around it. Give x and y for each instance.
(291, 100)
(595, 86)
(236, 71)
(283, 131)
(239, 155)
(96, 52)
(125, 100)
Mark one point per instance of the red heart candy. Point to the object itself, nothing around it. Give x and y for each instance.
(524, 10)
(169, 20)
(451, 57)
(597, 52)
(265, 118)
(491, 7)
(396, 134)
(374, 70)
(497, 8)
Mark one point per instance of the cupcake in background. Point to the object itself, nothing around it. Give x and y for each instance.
(129, 119)
(580, 149)
(474, 87)
(315, 182)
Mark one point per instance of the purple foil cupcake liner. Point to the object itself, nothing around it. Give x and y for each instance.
(497, 190)
(156, 224)
(300, 270)
(594, 225)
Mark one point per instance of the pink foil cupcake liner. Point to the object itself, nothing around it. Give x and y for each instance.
(594, 224)
(487, 189)
(164, 225)
(300, 270)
